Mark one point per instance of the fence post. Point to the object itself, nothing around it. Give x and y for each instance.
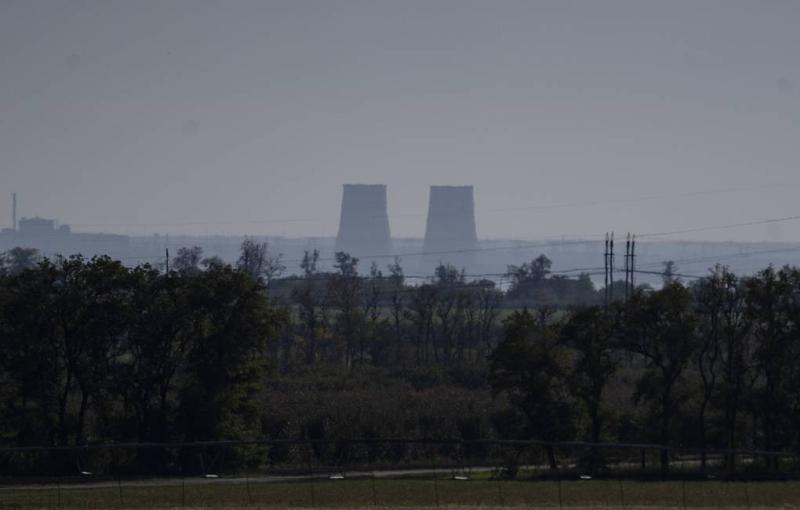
(247, 484)
(371, 463)
(310, 473)
(747, 494)
(498, 479)
(181, 456)
(435, 482)
(560, 499)
(119, 489)
(500, 491)
(683, 491)
(558, 476)
(115, 467)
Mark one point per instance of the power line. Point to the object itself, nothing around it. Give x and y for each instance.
(661, 273)
(714, 258)
(721, 227)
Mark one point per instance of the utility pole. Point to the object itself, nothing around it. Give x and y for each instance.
(633, 264)
(611, 268)
(627, 264)
(167, 251)
(605, 273)
(14, 211)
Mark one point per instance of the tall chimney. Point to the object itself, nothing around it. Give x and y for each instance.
(364, 222)
(14, 211)
(450, 233)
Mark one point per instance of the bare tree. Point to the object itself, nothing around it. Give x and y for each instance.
(19, 259)
(344, 289)
(397, 303)
(309, 298)
(720, 356)
(188, 259)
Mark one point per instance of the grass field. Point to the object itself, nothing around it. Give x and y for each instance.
(365, 493)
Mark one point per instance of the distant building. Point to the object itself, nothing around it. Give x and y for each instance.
(450, 232)
(364, 222)
(52, 239)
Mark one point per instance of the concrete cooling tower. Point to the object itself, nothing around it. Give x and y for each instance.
(450, 232)
(364, 222)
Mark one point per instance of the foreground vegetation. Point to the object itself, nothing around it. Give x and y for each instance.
(365, 493)
(94, 351)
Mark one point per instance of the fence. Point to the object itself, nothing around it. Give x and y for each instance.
(390, 472)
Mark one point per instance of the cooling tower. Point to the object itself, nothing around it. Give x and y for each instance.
(450, 234)
(364, 222)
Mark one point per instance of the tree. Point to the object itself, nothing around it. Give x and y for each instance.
(530, 273)
(791, 306)
(448, 275)
(375, 334)
(772, 308)
(533, 283)
(29, 365)
(64, 322)
(590, 333)
(257, 261)
(188, 260)
(212, 261)
(721, 352)
(420, 315)
(482, 315)
(397, 303)
(227, 363)
(344, 289)
(159, 338)
(19, 259)
(528, 366)
(449, 307)
(251, 259)
(309, 263)
(668, 276)
(273, 268)
(540, 268)
(660, 327)
(309, 296)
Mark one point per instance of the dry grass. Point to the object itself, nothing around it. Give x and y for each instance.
(414, 493)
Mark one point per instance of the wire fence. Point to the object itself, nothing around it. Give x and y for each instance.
(393, 472)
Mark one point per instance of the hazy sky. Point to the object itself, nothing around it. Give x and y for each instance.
(569, 117)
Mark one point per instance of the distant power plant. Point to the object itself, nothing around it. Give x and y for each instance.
(450, 238)
(364, 221)
(450, 233)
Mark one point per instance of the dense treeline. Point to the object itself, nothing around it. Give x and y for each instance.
(94, 350)
(91, 350)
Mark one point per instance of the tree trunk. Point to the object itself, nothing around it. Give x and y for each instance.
(596, 426)
(62, 411)
(703, 456)
(81, 417)
(666, 413)
(551, 457)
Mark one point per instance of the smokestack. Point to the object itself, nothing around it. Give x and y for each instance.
(14, 211)
(364, 222)
(451, 226)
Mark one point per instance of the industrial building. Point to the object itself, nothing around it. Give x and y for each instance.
(364, 221)
(450, 232)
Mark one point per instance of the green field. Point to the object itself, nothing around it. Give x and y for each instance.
(364, 493)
